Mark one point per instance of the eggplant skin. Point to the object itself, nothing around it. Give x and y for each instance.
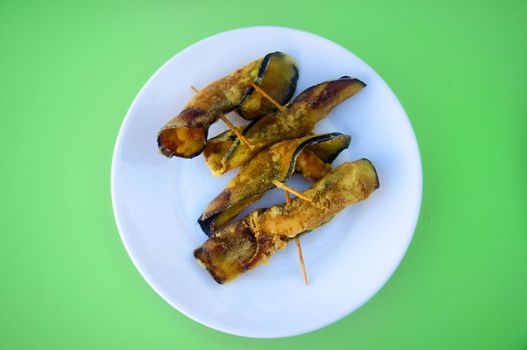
(185, 135)
(296, 120)
(210, 222)
(278, 162)
(278, 77)
(219, 145)
(242, 246)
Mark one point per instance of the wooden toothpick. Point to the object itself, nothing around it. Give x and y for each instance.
(269, 98)
(231, 126)
(236, 131)
(291, 190)
(278, 184)
(301, 260)
(298, 246)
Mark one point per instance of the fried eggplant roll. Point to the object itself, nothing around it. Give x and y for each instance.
(243, 245)
(185, 135)
(310, 155)
(226, 152)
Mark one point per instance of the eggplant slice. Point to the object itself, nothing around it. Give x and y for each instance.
(185, 135)
(278, 80)
(309, 155)
(296, 120)
(242, 246)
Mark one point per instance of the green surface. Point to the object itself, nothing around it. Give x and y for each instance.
(70, 71)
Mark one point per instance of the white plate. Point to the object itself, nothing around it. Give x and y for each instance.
(157, 200)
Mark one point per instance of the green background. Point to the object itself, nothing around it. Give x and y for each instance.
(70, 71)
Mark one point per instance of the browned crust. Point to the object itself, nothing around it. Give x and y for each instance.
(242, 246)
(297, 120)
(218, 98)
(277, 163)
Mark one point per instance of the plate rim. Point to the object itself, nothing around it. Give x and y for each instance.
(177, 306)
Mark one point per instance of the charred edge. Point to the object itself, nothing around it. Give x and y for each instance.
(346, 77)
(207, 225)
(378, 184)
(311, 141)
(332, 89)
(257, 80)
(204, 257)
(361, 82)
(328, 92)
(206, 220)
(162, 149)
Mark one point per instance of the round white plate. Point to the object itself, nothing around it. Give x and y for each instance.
(157, 200)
